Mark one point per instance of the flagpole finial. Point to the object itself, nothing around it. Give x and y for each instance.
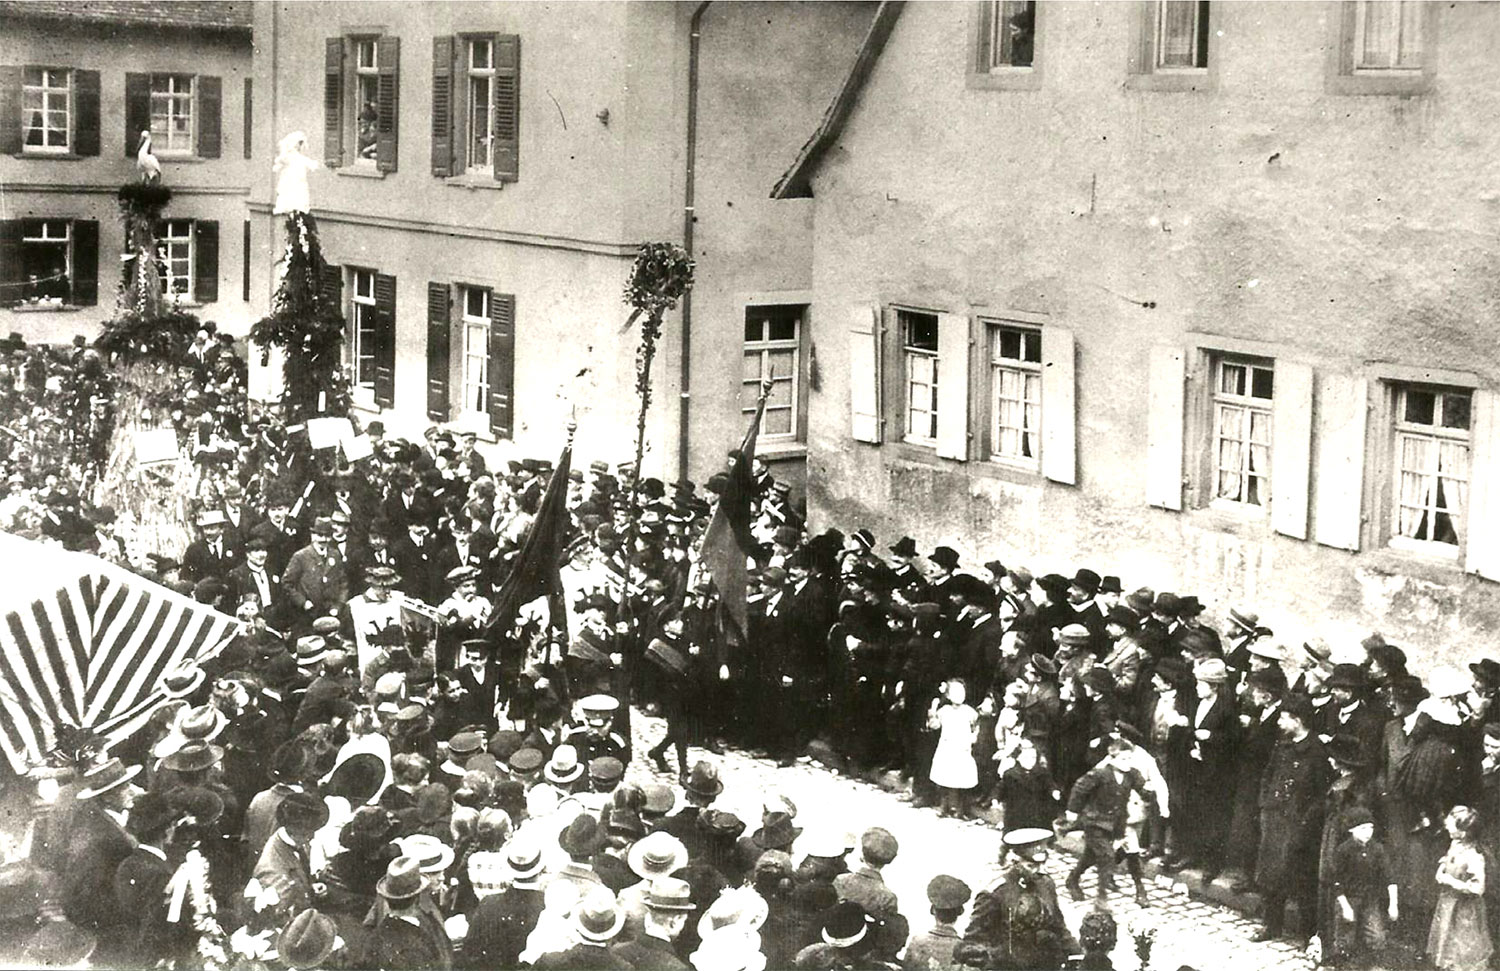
(572, 427)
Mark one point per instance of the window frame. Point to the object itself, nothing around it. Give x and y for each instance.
(994, 363)
(1251, 404)
(28, 242)
(363, 391)
(70, 109)
(165, 243)
(1357, 40)
(464, 416)
(1398, 428)
(908, 352)
(161, 145)
(764, 347)
(357, 73)
(1143, 69)
(981, 73)
(1344, 78)
(472, 75)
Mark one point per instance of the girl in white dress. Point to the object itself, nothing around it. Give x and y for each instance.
(954, 771)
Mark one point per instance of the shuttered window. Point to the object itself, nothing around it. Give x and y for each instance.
(174, 243)
(49, 261)
(476, 105)
(1241, 445)
(501, 373)
(476, 320)
(182, 113)
(1015, 394)
(1432, 444)
(363, 324)
(47, 110)
(172, 114)
(439, 341)
(919, 358)
(366, 99)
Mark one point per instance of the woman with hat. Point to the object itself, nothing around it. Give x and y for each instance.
(1215, 728)
(366, 851)
(1352, 788)
(597, 922)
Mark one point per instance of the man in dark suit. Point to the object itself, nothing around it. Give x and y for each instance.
(1348, 711)
(1081, 593)
(254, 578)
(407, 930)
(460, 549)
(397, 507)
(239, 519)
(374, 551)
(212, 555)
(99, 843)
(701, 788)
(1098, 806)
(279, 531)
(501, 923)
(315, 584)
(416, 560)
(140, 884)
(281, 883)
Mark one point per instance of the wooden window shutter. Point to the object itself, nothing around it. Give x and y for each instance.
(137, 111)
(385, 340)
(210, 115)
(85, 262)
(86, 113)
(388, 102)
(11, 122)
(331, 287)
(442, 106)
(505, 146)
(1291, 447)
(439, 339)
(333, 101)
(459, 118)
(502, 348)
(953, 387)
(1059, 396)
(1482, 527)
(12, 271)
(865, 424)
(248, 121)
(1341, 410)
(245, 262)
(206, 260)
(1164, 415)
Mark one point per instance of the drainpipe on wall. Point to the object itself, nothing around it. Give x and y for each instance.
(695, 29)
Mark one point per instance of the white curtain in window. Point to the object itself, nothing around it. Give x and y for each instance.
(1453, 484)
(1416, 486)
(1231, 451)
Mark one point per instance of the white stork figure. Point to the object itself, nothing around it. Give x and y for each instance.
(149, 167)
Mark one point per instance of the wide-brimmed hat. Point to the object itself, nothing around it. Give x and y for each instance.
(581, 837)
(846, 925)
(307, 940)
(194, 757)
(564, 767)
(656, 855)
(1244, 618)
(524, 858)
(182, 680)
(739, 907)
(905, 546)
(1086, 580)
(369, 829)
(598, 918)
(945, 557)
(302, 811)
(777, 833)
(1486, 672)
(403, 879)
(669, 893)
(703, 780)
(311, 649)
(1350, 676)
(1212, 669)
(432, 854)
(1266, 648)
(1347, 750)
(358, 778)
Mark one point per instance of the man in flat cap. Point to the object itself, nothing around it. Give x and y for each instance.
(933, 951)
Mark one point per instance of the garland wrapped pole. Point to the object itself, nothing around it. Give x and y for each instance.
(141, 344)
(661, 274)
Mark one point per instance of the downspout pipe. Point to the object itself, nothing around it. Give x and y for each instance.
(685, 364)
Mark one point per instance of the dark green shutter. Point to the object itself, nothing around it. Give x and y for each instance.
(245, 267)
(331, 287)
(385, 340)
(206, 261)
(505, 146)
(12, 265)
(502, 348)
(333, 102)
(248, 128)
(210, 115)
(137, 111)
(439, 340)
(388, 102)
(85, 262)
(86, 113)
(11, 122)
(442, 106)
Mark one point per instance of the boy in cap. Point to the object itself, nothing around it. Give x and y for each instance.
(933, 951)
(1363, 888)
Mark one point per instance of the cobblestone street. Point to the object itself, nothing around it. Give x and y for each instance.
(1188, 930)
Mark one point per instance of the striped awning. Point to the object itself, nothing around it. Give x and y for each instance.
(84, 643)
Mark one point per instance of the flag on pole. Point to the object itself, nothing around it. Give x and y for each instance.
(84, 645)
(727, 542)
(535, 572)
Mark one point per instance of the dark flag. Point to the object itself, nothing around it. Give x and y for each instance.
(535, 572)
(728, 542)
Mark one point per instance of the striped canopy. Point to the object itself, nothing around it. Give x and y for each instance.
(84, 643)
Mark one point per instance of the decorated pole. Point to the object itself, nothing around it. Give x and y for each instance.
(661, 274)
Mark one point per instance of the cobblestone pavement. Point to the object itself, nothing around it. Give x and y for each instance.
(1188, 930)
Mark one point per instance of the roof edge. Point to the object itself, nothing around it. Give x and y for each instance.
(796, 183)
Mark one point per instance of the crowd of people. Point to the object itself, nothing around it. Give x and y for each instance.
(372, 774)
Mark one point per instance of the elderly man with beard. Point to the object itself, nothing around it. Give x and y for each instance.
(1292, 796)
